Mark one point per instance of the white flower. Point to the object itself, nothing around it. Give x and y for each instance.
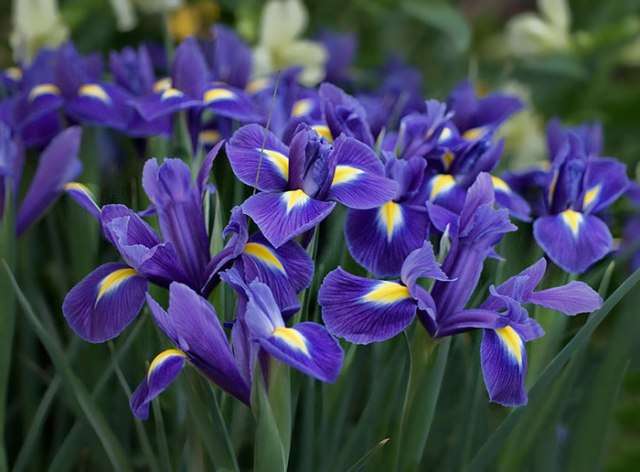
(283, 22)
(533, 34)
(126, 13)
(524, 138)
(36, 24)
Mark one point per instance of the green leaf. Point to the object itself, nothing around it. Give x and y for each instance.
(7, 310)
(109, 440)
(492, 446)
(443, 17)
(269, 452)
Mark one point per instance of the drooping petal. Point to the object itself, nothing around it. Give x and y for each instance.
(307, 347)
(282, 216)
(105, 302)
(193, 326)
(163, 370)
(381, 238)
(58, 165)
(160, 104)
(258, 158)
(358, 180)
(466, 320)
(605, 180)
(285, 270)
(362, 310)
(574, 241)
(570, 299)
(83, 197)
(504, 365)
(230, 102)
(100, 104)
(507, 198)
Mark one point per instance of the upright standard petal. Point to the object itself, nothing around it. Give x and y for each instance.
(573, 240)
(258, 158)
(362, 310)
(58, 165)
(163, 370)
(282, 216)
(105, 302)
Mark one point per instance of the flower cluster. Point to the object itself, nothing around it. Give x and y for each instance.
(410, 172)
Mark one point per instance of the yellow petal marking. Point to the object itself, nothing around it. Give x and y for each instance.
(573, 220)
(209, 136)
(323, 131)
(440, 184)
(78, 187)
(301, 107)
(258, 85)
(344, 174)
(171, 93)
(386, 293)
(162, 85)
(294, 198)
(293, 338)
(43, 89)
(500, 185)
(512, 341)
(591, 196)
(278, 160)
(447, 159)
(94, 91)
(162, 357)
(14, 73)
(218, 94)
(474, 133)
(391, 216)
(264, 255)
(113, 280)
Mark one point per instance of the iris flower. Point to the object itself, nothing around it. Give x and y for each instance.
(301, 183)
(363, 310)
(192, 325)
(568, 196)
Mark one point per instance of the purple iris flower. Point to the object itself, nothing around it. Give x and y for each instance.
(57, 166)
(132, 70)
(466, 147)
(192, 325)
(507, 327)
(363, 310)
(65, 80)
(192, 86)
(300, 183)
(259, 327)
(344, 114)
(106, 301)
(568, 196)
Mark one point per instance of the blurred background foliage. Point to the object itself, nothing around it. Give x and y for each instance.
(586, 67)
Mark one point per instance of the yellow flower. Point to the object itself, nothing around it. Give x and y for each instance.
(36, 24)
(283, 22)
(531, 34)
(191, 20)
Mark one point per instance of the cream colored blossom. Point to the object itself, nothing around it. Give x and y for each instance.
(280, 46)
(525, 144)
(36, 24)
(531, 34)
